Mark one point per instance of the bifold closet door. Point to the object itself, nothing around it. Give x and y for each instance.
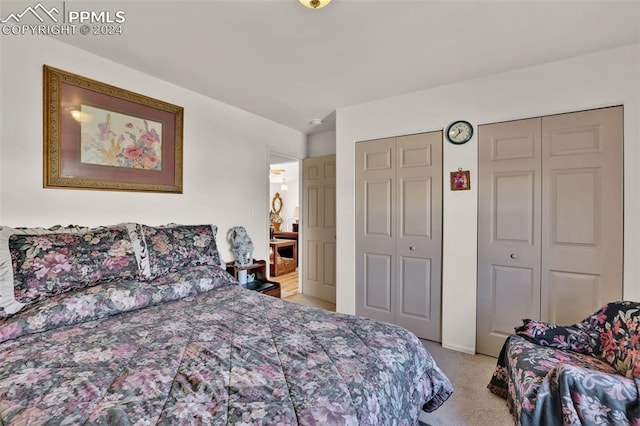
(550, 220)
(399, 231)
(582, 212)
(509, 246)
(376, 229)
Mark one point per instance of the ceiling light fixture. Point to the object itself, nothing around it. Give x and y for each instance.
(283, 185)
(315, 4)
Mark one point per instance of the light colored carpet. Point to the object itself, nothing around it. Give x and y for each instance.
(303, 299)
(471, 402)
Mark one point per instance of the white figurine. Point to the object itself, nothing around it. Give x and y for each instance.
(241, 246)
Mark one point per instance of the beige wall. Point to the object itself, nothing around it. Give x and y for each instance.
(601, 79)
(223, 185)
(321, 144)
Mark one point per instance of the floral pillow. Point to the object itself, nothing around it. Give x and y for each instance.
(8, 303)
(170, 248)
(572, 338)
(45, 265)
(618, 326)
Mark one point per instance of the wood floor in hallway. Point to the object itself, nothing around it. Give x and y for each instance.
(288, 283)
(289, 292)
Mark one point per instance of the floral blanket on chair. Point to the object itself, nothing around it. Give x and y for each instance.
(584, 374)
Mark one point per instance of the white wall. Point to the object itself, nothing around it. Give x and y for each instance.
(602, 79)
(321, 144)
(223, 184)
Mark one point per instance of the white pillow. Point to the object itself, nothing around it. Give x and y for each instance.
(8, 301)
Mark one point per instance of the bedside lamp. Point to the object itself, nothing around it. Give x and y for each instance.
(296, 215)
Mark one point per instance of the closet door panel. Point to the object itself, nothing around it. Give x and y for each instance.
(582, 233)
(377, 207)
(415, 295)
(515, 294)
(375, 229)
(575, 207)
(513, 207)
(419, 241)
(569, 293)
(417, 196)
(509, 245)
(378, 279)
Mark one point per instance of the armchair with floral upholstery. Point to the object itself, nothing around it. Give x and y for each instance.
(587, 373)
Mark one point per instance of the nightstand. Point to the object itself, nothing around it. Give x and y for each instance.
(261, 282)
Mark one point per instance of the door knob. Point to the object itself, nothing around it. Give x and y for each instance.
(412, 248)
(513, 256)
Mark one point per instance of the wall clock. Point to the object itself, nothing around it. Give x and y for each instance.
(459, 132)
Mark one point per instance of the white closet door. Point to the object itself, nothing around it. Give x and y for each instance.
(399, 231)
(550, 220)
(509, 246)
(376, 229)
(419, 233)
(582, 211)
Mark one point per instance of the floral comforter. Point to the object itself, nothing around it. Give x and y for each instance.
(192, 347)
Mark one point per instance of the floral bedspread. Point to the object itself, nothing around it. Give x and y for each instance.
(192, 347)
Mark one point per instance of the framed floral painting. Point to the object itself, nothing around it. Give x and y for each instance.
(98, 136)
(460, 180)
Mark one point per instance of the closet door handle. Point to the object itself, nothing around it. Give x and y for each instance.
(412, 248)
(513, 256)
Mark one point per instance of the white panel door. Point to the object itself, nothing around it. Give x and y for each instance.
(582, 210)
(319, 228)
(419, 233)
(399, 231)
(509, 196)
(550, 220)
(376, 229)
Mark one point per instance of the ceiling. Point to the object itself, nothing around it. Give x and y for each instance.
(290, 64)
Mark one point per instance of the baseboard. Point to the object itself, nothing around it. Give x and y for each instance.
(470, 351)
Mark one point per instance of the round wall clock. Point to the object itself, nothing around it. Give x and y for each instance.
(459, 132)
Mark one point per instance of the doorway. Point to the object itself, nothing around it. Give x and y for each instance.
(284, 215)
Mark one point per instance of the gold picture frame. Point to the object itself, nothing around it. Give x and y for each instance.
(460, 180)
(101, 137)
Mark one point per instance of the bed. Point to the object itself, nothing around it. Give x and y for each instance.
(188, 345)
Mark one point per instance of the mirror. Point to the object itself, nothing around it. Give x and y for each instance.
(274, 216)
(276, 203)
